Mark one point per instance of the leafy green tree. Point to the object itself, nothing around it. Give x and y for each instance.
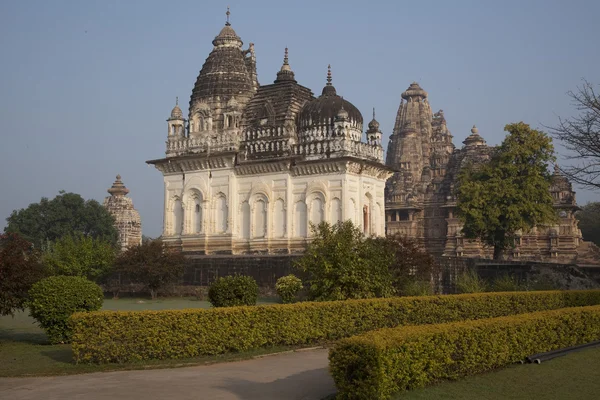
(80, 256)
(510, 193)
(153, 264)
(20, 268)
(341, 263)
(589, 222)
(66, 214)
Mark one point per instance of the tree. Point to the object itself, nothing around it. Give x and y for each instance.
(153, 264)
(20, 268)
(342, 264)
(510, 193)
(80, 256)
(66, 214)
(581, 136)
(411, 268)
(589, 222)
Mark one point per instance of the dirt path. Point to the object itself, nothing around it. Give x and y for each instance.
(296, 376)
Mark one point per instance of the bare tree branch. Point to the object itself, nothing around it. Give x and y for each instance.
(581, 136)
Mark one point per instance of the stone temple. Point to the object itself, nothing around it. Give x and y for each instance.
(253, 166)
(127, 218)
(420, 196)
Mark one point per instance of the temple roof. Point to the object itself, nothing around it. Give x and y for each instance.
(326, 108)
(118, 188)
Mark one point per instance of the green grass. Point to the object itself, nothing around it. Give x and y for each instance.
(575, 376)
(25, 351)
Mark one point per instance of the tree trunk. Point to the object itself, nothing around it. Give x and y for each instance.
(153, 294)
(498, 253)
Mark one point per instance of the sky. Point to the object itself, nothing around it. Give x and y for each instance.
(86, 86)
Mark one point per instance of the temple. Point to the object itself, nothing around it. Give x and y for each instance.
(127, 218)
(421, 199)
(253, 167)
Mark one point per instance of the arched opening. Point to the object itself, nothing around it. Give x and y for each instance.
(245, 220)
(221, 214)
(279, 219)
(260, 219)
(316, 211)
(300, 224)
(366, 220)
(177, 217)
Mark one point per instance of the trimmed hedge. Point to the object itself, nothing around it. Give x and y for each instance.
(230, 291)
(378, 364)
(109, 336)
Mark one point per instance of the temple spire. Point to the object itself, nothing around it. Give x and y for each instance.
(285, 73)
(228, 14)
(329, 75)
(176, 100)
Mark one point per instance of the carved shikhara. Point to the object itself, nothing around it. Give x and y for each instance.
(127, 219)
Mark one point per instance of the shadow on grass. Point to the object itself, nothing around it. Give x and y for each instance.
(10, 335)
(64, 355)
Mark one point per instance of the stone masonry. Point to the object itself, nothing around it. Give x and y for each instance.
(127, 218)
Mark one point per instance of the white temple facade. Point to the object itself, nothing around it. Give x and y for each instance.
(252, 167)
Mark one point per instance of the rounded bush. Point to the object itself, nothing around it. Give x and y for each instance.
(288, 287)
(232, 291)
(53, 300)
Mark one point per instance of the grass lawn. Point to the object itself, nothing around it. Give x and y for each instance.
(24, 348)
(575, 376)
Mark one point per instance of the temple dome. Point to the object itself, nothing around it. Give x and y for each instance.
(326, 108)
(414, 90)
(225, 72)
(176, 112)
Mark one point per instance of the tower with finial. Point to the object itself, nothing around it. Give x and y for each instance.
(127, 219)
(285, 73)
(374, 135)
(176, 123)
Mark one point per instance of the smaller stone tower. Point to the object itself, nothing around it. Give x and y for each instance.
(127, 218)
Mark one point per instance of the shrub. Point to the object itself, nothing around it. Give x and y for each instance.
(341, 264)
(232, 291)
(288, 287)
(470, 282)
(378, 364)
(507, 283)
(54, 299)
(145, 335)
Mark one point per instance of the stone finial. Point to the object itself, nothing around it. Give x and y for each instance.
(474, 130)
(329, 75)
(227, 14)
(556, 169)
(118, 188)
(286, 64)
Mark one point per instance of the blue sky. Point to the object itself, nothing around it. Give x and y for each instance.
(86, 86)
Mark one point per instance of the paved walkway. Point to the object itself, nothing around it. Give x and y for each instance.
(295, 376)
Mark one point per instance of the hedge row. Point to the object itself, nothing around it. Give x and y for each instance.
(110, 336)
(377, 364)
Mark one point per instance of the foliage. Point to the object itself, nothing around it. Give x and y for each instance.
(469, 281)
(229, 291)
(20, 268)
(66, 214)
(287, 287)
(80, 256)
(580, 135)
(411, 287)
(153, 264)
(507, 283)
(411, 267)
(510, 193)
(589, 222)
(378, 364)
(127, 336)
(341, 264)
(54, 299)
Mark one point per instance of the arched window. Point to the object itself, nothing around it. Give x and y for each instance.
(260, 219)
(177, 217)
(336, 211)
(300, 219)
(221, 214)
(245, 220)
(279, 219)
(198, 217)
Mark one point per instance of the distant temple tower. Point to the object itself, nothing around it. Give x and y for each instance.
(127, 218)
